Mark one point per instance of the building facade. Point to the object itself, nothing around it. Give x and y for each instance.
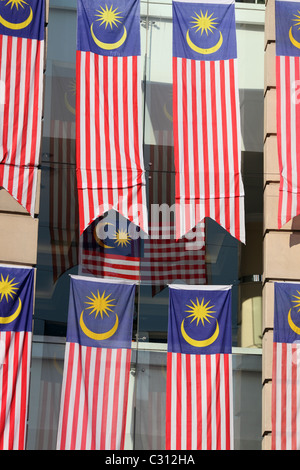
(49, 241)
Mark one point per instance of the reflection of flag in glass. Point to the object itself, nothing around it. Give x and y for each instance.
(63, 215)
(21, 71)
(97, 365)
(16, 309)
(288, 108)
(110, 166)
(206, 117)
(115, 254)
(286, 368)
(199, 412)
(167, 260)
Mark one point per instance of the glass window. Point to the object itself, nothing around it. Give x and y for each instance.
(223, 259)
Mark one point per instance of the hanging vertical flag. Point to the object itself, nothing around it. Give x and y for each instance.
(199, 409)
(110, 167)
(287, 19)
(206, 117)
(21, 93)
(16, 310)
(63, 201)
(97, 365)
(114, 254)
(286, 367)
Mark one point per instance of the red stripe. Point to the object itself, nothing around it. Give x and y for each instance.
(274, 395)
(294, 393)
(288, 133)
(218, 404)
(169, 401)
(195, 170)
(199, 401)
(188, 403)
(106, 106)
(117, 120)
(235, 149)
(209, 401)
(225, 142)
(283, 395)
(179, 401)
(228, 414)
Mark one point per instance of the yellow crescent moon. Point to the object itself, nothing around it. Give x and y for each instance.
(108, 46)
(295, 328)
(98, 336)
(293, 40)
(68, 106)
(200, 50)
(200, 343)
(98, 240)
(22, 25)
(11, 318)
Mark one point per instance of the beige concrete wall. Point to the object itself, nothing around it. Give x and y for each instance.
(274, 242)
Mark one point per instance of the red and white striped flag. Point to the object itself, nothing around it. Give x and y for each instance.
(110, 167)
(16, 310)
(199, 395)
(206, 117)
(288, 108)
(97, 366)
(286, 367)
(21, 94)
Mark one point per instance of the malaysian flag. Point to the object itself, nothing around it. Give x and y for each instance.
(16, 310)
(199, 405)
(63, 202)
(21, 80)
(206, 117)
(108, 249)
(110, 167)
(97, 365)
(286, 367)
(287, 16)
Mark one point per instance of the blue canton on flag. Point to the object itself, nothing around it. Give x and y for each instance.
(204, 31)
(100, 313)
(22, 19)
(109, 28)
(16, 298)
(199, 320)
(286, 312)
(287, 15)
